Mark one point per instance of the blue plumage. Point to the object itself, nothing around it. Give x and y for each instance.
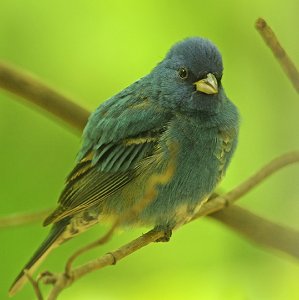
(128, 139)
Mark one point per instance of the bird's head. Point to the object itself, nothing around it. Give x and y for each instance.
(190, 77)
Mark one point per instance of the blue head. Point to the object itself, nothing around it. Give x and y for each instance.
(190, 77)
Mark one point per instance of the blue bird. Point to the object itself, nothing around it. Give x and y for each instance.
(128, 139)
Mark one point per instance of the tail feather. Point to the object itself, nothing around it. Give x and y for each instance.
(52, 241)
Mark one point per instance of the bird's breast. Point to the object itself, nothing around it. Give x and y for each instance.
(200, 160)
(202, 157)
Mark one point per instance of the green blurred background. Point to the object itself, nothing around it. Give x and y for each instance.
(93, 49)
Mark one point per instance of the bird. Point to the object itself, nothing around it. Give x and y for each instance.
(129, 138)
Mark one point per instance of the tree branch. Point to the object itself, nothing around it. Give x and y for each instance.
(19, 219)
(265, 232)
(282, 57)
(33, 90)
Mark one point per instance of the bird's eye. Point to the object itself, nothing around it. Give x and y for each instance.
(183, 73)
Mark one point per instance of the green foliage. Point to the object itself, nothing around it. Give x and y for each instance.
(93, 49)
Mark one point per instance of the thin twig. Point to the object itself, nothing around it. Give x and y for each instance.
(282, 57)
(25, 85)
(103, 240)
(35, 285)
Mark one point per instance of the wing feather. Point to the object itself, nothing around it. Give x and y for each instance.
(120, 137)
(89, 184)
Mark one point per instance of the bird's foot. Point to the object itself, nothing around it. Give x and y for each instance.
(167, 233)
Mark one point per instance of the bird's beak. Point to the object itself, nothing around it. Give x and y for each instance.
(207, 85)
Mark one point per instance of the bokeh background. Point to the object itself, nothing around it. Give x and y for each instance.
(93, 49)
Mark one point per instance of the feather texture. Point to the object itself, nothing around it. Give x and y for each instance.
(103, 171)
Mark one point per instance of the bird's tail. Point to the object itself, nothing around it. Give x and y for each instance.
(54, 239)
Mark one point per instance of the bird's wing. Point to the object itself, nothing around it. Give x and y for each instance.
(119, 141)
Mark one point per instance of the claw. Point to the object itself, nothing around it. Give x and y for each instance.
(167, 233)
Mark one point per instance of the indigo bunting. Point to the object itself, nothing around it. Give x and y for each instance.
(127, 140)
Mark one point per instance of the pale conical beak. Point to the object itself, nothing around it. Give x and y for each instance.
(207, 85)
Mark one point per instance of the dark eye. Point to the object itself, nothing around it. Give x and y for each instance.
(183, 73)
